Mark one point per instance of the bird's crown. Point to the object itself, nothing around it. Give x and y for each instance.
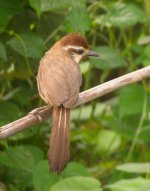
(74, 39)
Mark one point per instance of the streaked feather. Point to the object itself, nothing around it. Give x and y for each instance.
(58, 153)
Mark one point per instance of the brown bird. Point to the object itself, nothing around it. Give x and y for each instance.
(59, 80)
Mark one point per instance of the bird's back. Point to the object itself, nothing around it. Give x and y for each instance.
(60, 78)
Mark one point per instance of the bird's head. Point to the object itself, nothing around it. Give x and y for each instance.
(76, 46)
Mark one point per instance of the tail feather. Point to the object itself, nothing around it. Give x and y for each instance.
(58, 153)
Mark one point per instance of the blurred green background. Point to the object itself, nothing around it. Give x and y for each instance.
(110, 137)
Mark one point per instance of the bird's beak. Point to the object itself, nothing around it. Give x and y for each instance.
(91, 53)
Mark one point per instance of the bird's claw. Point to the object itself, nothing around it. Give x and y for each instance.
(36, 113)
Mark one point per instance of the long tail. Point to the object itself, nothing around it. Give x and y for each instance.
(58, 153)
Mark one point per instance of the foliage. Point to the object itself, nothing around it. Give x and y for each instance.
(110, 136)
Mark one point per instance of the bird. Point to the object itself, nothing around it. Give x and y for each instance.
(59, 80)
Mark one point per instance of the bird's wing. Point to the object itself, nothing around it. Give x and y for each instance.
(58, 84)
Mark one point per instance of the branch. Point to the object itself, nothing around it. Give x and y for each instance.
(84, 97)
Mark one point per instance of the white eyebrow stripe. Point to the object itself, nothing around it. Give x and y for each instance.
(74, 47)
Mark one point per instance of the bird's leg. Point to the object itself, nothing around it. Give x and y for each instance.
(36, 112)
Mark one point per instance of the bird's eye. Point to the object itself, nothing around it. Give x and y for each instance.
(73, 51)
(80, 51)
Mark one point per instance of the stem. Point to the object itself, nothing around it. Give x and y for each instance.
(12, 33)
(139, 129)
(127, 52)
(112, 39)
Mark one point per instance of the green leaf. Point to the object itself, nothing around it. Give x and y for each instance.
(75, 169)
(134, 167)
(42, 178)
(8, 111)
(3, 54)
(8, 8)
(11, 93)
(86, 111)
(143, 40)
(21, 157)
(21, 179)
(131, 100)
(78, 20)
(49, 5)
(122, 15)
(146, 62)
(78, 183)
(109, 59)
(36, 4)
(126, 128)
(22, 96)
(147, 51)
(85, 67)
(36, 152)
(136, 184)
(107, 141)
(28, 44)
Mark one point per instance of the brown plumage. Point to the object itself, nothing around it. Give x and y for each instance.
(74, 39)
(59, 153)
(59, 81)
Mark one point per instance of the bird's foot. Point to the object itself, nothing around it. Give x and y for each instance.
(36, 112)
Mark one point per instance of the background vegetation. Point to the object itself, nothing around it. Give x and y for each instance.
(106, 134)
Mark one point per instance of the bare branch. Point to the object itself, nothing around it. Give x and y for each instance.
(112, 85)
(84, 97)
(23, 123)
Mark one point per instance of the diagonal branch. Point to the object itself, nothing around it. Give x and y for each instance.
(84, 97)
